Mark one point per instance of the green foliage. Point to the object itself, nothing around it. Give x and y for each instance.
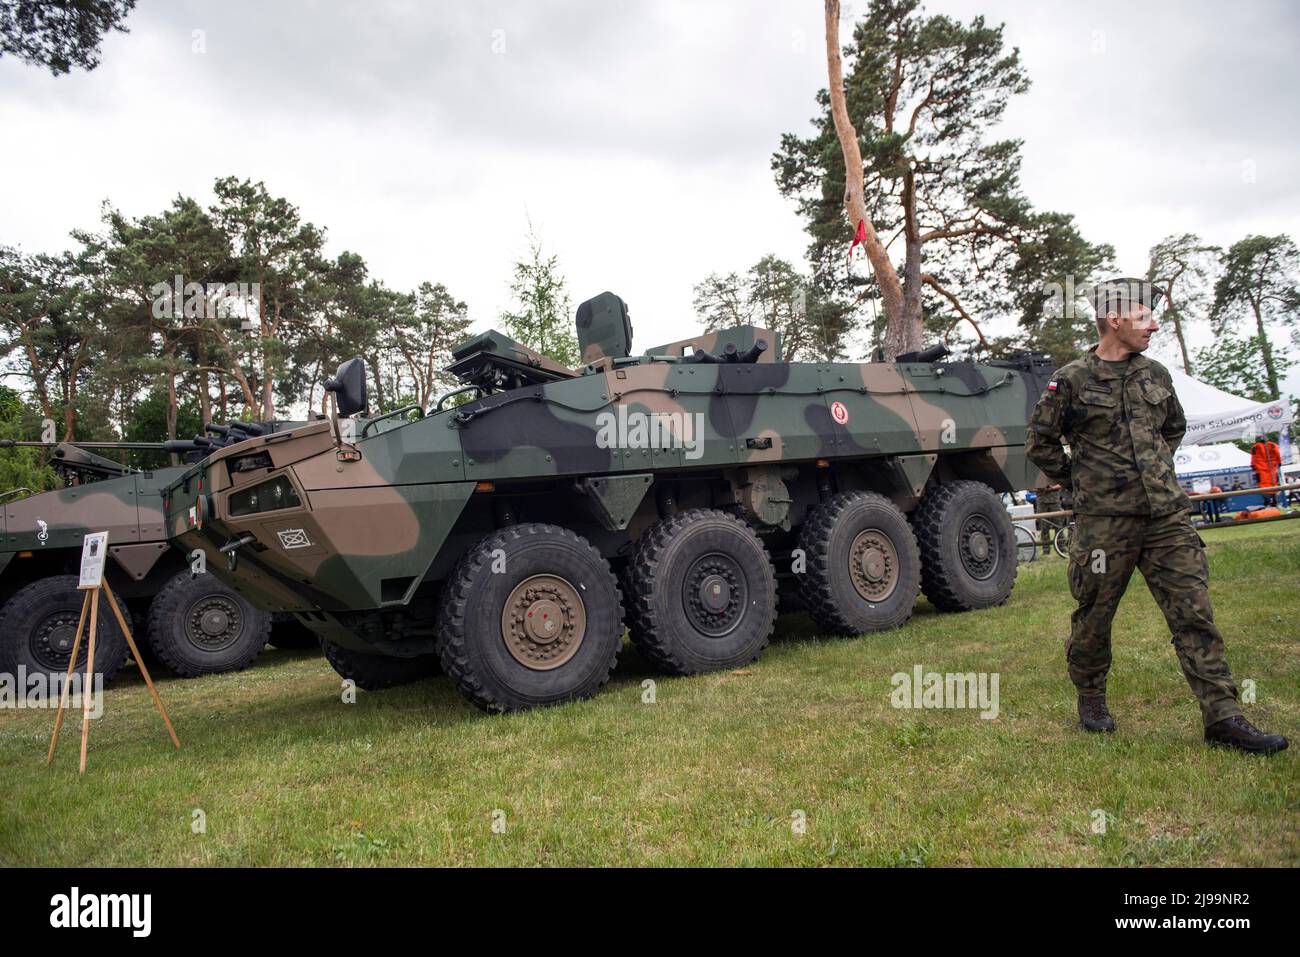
(55, 321)
(11, 405)
(1053, 269)
(541, 319)
(156, 305)
(924, 93)
(774, 295)
(429, 325)
(20, 468)
(149, 424)
(157, 272)
(1259, 290)
(273, 248)
(59, 34)
(1183, 268)
(1235, 364)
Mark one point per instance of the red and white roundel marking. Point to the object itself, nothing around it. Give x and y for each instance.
(840, 413)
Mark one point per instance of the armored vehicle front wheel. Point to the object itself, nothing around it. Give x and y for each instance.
(198, 626)
(39, 623)
(701, 593)
(862, 566)
(530, 616)
(968, 547)
(376, 672)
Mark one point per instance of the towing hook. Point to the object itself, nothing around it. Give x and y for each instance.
(248, 538)
(232, 547)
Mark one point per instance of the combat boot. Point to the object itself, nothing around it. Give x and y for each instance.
(1237, 732)
(1093, 714)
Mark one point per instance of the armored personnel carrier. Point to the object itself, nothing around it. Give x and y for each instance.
(193, 624)
(511, 537)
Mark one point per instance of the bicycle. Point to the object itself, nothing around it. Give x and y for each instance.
(1061, 540)
(1026, 545)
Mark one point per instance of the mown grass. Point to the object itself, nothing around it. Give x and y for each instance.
(717, 769)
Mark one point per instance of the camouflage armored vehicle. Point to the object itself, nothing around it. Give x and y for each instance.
(193, 624)
(510, 538)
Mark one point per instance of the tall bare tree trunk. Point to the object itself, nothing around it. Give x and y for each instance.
(205, 397)
(901, 334)
(38, 377)
(171, 403)
(1174, 315)
(911, 266)
(268, 384)
(70, 411)
(1270, 370)
(379, 384)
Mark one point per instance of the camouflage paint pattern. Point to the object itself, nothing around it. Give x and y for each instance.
(42, 535)
(604, 329)
(1122, 431)
(128, 508)
(742, 337)
(1123, 427)
(375, 514)
(1171, 556)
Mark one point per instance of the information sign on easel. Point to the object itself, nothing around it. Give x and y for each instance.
(94, 551)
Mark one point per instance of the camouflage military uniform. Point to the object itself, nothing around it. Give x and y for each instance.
(1122, 428)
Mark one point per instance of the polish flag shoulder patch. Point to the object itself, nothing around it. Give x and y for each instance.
(1052, 386)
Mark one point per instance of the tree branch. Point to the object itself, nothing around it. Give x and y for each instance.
(934, 284)
(900, 336)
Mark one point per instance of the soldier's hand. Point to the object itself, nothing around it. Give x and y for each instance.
(1049, 488)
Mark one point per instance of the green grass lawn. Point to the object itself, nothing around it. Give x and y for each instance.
(718, 768)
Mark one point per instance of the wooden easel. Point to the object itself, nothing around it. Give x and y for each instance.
(91, 603)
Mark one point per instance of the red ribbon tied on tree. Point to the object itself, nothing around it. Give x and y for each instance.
(859, 236)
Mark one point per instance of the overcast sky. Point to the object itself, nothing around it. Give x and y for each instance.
(637, 135)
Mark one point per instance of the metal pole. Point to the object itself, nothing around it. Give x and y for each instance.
(1204, 497)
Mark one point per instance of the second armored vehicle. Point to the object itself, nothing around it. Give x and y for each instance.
(193, 624)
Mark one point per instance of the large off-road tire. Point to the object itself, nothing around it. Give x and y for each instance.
(39, 623)
(968, 547)
(701, 593)
(788, 598)
(376, 672)
(863, 569)
(198, 626)
(531, 616)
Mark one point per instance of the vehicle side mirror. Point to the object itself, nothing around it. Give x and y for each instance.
(349, 387)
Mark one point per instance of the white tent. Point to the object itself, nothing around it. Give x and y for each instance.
(1214, 415)
(1209, 458)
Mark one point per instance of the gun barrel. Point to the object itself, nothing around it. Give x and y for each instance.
(148, 446)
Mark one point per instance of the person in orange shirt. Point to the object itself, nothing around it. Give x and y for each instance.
(1265, 458)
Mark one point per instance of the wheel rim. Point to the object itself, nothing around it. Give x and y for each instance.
(715, 594)
(52, 639)
(979, 547)
(873, 565)
(213, 623)
(543, 622)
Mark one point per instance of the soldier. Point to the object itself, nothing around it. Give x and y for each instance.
(1118, 412)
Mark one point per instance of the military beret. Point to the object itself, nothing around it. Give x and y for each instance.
(1114, 293)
